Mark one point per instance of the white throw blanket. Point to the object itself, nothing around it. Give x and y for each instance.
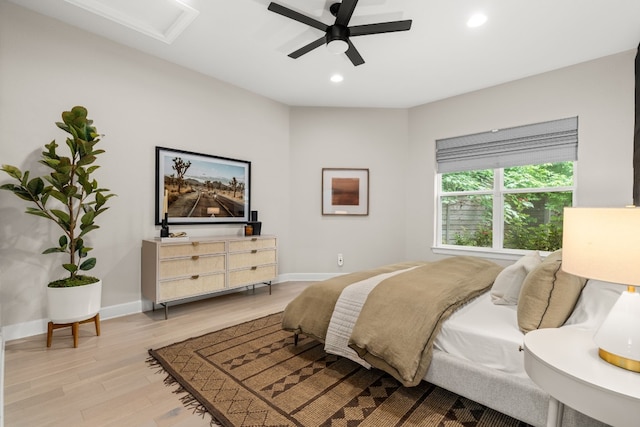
(346, 313)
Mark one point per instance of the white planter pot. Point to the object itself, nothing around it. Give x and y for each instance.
(69, 305)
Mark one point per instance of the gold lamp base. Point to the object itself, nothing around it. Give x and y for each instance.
(622, 362)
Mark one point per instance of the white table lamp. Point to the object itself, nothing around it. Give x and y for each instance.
(604, 244)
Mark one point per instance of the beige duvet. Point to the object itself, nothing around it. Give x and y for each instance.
(401, 315)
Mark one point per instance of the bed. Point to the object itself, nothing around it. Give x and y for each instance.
(469, 340)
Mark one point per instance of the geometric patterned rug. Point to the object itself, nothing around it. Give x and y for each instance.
(251, 374)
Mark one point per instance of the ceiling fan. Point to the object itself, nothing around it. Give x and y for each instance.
(337, 35)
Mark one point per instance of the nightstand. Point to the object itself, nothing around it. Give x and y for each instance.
(565, 363)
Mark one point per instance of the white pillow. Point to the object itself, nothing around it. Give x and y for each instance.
(594, 304)
(506, 287)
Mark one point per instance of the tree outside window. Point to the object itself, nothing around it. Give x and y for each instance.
(512, 208)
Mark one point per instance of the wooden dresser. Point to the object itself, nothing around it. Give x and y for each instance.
(172, 271)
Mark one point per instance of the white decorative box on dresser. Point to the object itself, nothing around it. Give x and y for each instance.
(172, 271)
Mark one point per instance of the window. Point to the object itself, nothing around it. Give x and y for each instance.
(506, 189)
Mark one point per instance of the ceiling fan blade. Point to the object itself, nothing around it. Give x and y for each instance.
(353, 54)
(345, 11)
(297, 16)
(381, 27)
(308, 48)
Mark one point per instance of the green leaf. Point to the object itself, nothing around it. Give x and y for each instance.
(72, 268)
(25, 179)
(36, 212)
(61, 215)
(53, 250)
(35, 186)
(100, 200)
(88, 264)
(51, 148)
(18, 191)
(79, 243)
(87, 218)
(62, 241)
(85, 160)
(59, 196)
(70, 190)
(13, 171)
(88, 228)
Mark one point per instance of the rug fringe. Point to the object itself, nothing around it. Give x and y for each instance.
(187, 399)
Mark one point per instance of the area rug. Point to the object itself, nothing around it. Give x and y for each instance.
(252, 374)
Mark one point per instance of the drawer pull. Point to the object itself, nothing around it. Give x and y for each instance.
(254, 239)
(195, 277)
(195, 243)
(195, 257)
(255, 251)
(254, 268)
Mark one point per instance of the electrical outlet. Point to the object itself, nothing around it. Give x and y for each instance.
(340, 260)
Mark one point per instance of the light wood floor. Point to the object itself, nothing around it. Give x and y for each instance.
(106, 380)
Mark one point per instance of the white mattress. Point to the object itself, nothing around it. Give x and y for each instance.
(484, 333)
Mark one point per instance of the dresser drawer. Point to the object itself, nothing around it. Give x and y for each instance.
(191, 249)
(176, 270)
(253, 258)
(190, 286)
(250, 244)
(191, 266)
(252, 275)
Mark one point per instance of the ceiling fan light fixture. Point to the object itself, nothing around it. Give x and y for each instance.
(337, 46)
(337, 39)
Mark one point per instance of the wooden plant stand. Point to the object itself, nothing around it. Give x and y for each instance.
(74, 328)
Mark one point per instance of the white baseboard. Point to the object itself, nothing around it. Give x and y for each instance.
(306, 277)
(37, 327)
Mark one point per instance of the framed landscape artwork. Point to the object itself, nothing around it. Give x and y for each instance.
(345, 191)
(194, 188)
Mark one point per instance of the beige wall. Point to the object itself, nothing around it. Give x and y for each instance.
(600, 93)
(140, 102)
(374, 139)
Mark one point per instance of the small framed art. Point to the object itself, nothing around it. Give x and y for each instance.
(345, 191)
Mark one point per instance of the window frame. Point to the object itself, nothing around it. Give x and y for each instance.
(497, 251)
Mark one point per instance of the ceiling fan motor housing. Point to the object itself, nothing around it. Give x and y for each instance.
(337, 39)
(337, 32)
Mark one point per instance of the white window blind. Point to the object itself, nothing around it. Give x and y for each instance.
(547, 142)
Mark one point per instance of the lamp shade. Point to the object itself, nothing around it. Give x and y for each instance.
(602, 243)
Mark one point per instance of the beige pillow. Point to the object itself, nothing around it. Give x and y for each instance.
(548, 295)
(506, 287)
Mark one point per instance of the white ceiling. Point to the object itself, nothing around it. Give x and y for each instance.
(244, 44)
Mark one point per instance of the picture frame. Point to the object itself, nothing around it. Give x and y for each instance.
(197, 188)
(345, 191)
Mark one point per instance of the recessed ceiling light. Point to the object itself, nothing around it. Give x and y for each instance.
(337, 78)
(477, 20)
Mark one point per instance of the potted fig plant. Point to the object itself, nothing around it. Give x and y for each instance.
(72, 199)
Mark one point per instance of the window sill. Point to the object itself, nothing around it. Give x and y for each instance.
(501, 254)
